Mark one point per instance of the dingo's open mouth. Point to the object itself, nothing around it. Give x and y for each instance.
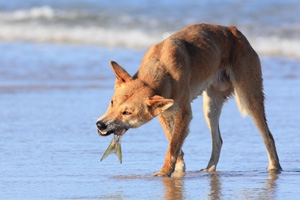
(118, 132)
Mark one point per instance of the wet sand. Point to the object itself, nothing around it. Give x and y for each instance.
(49, 147)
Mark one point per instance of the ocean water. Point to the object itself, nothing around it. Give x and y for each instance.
(271, 26)
(55, 81)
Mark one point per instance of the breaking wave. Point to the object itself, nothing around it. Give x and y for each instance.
(47, 25)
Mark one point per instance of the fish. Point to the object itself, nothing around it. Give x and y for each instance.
(114, 147)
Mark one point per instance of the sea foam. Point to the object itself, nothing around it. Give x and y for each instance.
(47, 25)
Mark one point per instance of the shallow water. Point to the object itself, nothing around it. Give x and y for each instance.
(51, 96)
(55, 81)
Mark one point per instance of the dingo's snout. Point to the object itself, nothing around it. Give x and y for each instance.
(102, 129)
(105, 129)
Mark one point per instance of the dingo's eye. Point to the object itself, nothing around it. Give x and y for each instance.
(111, 102)
(126, 112)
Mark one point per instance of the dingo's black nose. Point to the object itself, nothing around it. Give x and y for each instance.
(101, 126)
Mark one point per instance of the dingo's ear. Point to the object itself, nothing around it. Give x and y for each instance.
(159, 104)
(121, 74)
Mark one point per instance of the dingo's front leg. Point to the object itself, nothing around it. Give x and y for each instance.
(167, 122)
(180, 129)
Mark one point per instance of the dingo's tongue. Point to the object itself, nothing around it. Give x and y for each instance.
(114, 147)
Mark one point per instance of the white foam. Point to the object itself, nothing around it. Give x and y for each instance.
(129, 38)
(45, 24)
(33, 13)
(78, 35)
(276, 46)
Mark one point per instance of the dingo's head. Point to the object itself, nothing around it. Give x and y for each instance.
(133, 104)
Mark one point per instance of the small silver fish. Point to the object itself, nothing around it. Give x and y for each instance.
(114, 147)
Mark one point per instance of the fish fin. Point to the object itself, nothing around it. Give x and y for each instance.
(110, 149)
(114, 147)
(118, 152)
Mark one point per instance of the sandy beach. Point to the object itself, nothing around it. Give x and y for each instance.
(52, 91)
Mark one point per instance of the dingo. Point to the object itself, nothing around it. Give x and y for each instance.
(215, 61)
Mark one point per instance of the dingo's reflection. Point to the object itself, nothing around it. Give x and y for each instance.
(219, 185)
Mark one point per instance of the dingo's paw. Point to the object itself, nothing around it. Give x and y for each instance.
(161, 174)
(178, 174)
(204, 170)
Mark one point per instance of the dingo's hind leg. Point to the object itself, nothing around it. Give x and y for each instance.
(213, 101)
(248, 89)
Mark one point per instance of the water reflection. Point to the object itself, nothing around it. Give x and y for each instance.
(220, 185)
(215, 187)
(174, 188)
(272, 183)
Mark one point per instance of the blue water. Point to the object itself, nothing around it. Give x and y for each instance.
(271, 26)
(55, 82)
